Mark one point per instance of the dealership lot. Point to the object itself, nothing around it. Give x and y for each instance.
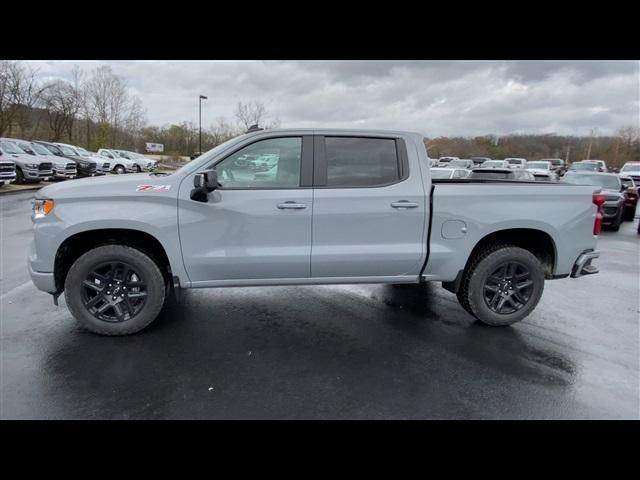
(362, 352)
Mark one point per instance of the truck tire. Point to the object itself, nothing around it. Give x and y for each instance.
(19, 176)
(114, 290)
(502, 285)
(119, 169)
(630, 214)
(615, 226)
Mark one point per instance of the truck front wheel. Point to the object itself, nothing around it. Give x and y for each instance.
(502, 285)
(114, 290)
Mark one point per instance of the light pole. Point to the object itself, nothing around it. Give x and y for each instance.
(202, 97)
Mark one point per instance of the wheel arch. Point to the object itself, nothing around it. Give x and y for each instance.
(81, 242)
(536, 241)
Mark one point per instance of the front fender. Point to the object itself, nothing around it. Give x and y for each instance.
(154, 215)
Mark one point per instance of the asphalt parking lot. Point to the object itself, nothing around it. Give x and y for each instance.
(330, 352)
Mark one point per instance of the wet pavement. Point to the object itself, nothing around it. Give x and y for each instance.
(330, 352)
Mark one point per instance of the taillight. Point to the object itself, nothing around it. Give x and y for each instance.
(598, 200)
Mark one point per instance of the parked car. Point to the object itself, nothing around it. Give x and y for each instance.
(631, 169)
(447, 173)
(62, 168)
(29, 169)
(516, 162)
(543, 169)
(557, 165)
(630, 197)
(492, 173)
(584, 167)
(461, 163)
(86, 167)
(7, 168)
(119, 164)
(602, 166)
(479, 160)
(612, 188)
(227, 230)
(102, 165)
(443, 161)
(495, 164)
(142, 163)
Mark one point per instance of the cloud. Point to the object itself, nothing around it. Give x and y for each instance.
(432, 97)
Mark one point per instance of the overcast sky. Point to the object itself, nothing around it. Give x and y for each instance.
(432, 97)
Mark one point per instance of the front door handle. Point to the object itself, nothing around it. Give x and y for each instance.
(291, 205)
(404, 204)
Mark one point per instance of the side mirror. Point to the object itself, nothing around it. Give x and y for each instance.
(623, 188)
(204, 183)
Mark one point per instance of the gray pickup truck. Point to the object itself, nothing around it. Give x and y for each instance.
(333, 207)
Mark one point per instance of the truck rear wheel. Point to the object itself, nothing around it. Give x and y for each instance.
(114, 290)
(502, 285)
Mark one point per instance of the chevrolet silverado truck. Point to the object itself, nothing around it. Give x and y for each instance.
(337, 207)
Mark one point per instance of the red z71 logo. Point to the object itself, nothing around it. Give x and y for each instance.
(153, 188)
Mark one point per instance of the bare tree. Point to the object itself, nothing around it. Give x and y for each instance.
(61, 105)
(19, 92)
(253, 113)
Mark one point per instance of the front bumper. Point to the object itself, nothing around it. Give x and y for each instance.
(65, 173)
(583, 264)
(36, 175)
(42, 280)
(8, 177)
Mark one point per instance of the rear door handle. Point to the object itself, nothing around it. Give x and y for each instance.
(290, 205)
(404, 204)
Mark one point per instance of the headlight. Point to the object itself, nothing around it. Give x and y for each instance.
(42, 208)
(31, 165)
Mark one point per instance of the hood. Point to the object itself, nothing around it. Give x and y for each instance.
(57, 161)
(23, 158)
(111, 186)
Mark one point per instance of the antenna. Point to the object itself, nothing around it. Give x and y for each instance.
(254, 128)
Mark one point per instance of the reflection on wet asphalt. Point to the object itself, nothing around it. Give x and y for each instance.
(362, 352)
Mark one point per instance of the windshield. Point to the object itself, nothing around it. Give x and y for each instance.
(493, 163)
(585, 166)
(556, 161)
(458, 163)
(627, 182)
(610, 182)
(83, 152)
(631, 167)
(441, 173)
(514, 161)
(39, 149)
(540, 165)
(11, 147)
(68, 151)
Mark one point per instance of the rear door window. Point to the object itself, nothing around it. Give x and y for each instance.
(361, 161)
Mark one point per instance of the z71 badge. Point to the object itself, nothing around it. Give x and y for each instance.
(153, 188)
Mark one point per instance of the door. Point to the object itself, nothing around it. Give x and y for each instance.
(369, 214)
(257, 225)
